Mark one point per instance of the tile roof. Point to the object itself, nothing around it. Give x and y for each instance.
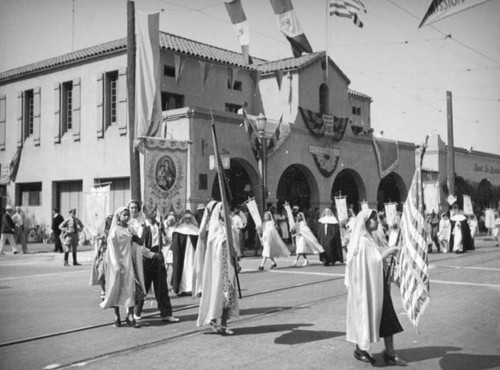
(167, 42)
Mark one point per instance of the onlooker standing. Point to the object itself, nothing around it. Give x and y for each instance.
(444, 232)
(18, 219)
(57, 220)
(7, 231)
(71, 228)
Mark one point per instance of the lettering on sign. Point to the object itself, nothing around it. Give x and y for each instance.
(486, 169)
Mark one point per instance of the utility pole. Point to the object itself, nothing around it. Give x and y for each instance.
(135, 168)
(450, 157)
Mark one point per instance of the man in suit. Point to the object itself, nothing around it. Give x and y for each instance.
(71, 228)
(57, 220)
(7, 231)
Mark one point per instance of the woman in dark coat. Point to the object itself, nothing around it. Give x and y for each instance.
(329, 238)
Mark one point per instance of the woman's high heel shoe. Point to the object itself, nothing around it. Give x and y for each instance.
(394, 360)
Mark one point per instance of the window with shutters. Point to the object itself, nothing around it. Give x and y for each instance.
(28, 113)
(67, 107)
(111, 98)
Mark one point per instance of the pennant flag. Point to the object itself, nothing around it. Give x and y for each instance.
(241, 28)
(387, 152)
(165, 171)
(290, 27)
(148, 115)
(347, 9)
(252, 136)
(440, 9)
(413, 271)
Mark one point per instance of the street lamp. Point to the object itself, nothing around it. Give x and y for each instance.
(261, 124)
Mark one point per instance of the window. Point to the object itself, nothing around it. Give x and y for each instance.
(110, 100)
(29, 194)
(28, 112)
(67, 106)
(171, 101)
(233, 108)
(356, 111)
(169, 71)
(237, 85)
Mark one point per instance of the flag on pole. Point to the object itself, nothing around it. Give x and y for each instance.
(413, 271)
(252, 136)
(348, 9)
(439, 9)
(290, 27)
(147, 84)
(241, 28)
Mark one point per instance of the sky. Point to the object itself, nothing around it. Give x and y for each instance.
(406, 70)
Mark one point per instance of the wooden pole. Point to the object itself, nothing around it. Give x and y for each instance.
(450, 158)
(135, 168)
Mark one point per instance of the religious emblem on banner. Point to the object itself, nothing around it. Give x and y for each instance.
(164, 175)
(326, 159)
(335, 126)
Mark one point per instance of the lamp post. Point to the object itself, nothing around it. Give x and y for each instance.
(261, 124)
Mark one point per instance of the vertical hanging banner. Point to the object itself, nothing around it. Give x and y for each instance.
(254, 212)
(96, 209)
(165, 168)
(468, 209)
(431, 197)
(241, 28)
(391, 214)
(148, 91)
(341, 205)
(290, 27)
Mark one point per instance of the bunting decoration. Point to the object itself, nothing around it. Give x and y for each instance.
(347, 9)
(440, 9)
(290, 27)
(326, 159)
(387, 153)
(241, 28)
(321, 124)
(148, 113)
(165, 175)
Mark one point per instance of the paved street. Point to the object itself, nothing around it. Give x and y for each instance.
(291, 318)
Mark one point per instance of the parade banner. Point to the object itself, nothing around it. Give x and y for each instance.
(451, 199)
(254, 212)
(165, 167)
(341, 205)
(326, 159)
(391, 214)
(431, 197)
(96, 209)
(387, 153)
(489, 218)
(291, 220)
(468, 210)
(364, 205)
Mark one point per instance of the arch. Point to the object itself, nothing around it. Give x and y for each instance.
(391, 188)
(297, 186)
(242, 179)
(324, 99)
(350, 184)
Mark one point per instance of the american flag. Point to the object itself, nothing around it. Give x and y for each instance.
(347, 9)
(413, 269)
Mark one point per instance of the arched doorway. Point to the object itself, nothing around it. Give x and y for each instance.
(297, 187)
(391, 189)
(239, 176)
(349, 183)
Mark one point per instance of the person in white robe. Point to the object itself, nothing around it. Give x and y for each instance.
(201, 247)
(169, 224)
(370, 314)
(444, 232)
(124, 270)
(184, 240)
(218, 298)
(306, 242)
(272, 244)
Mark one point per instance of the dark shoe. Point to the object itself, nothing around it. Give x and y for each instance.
(132, 323)
(273, 266)
(364, 356)
(76, 264)
(117, 323)
(261, 268)
(16, 252)
(66, 263)
(394, 360)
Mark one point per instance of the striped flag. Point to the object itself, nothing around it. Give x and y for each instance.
(347, 9)
(241, 28)
(413, 271)
(289, 25)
